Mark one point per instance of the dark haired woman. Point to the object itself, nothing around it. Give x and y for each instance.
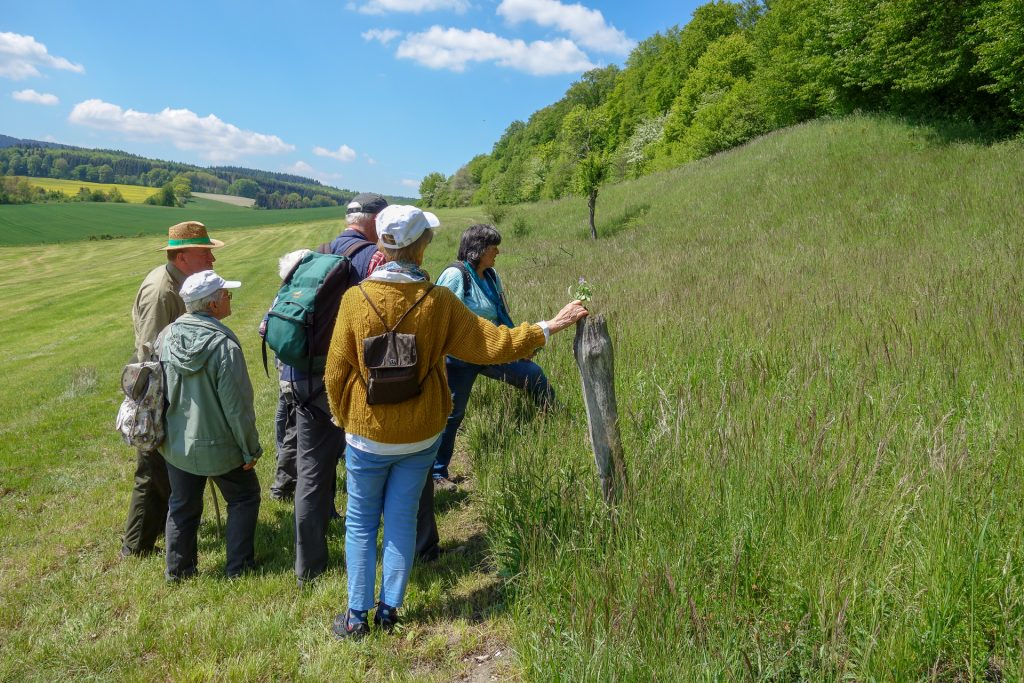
(476, 284)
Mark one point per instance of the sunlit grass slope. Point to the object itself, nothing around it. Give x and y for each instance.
(819, 368)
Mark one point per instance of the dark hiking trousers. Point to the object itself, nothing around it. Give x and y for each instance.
(319, 444)
(147, 510)
(241, 491)
(427, 540)
(285, 431)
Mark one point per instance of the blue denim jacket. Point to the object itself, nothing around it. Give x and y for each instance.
(476, 300)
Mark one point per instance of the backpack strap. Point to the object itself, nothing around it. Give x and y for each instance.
(375, 310)
(465, 276)
(357, 247)
(352, 250)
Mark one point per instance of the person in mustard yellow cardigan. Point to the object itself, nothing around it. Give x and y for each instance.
(391, 446)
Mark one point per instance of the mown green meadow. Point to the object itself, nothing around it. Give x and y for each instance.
(819, 364)
(22, 224)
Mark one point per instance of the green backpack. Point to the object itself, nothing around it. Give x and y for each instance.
(300, 322)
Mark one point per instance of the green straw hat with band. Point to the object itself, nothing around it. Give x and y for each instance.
(190, 234)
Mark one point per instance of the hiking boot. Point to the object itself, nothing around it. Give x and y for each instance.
(386, 617)
(445, 484)
(350, 625)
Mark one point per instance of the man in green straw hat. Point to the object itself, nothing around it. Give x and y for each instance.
(189, 250)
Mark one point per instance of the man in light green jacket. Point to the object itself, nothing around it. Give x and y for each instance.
(211, 426)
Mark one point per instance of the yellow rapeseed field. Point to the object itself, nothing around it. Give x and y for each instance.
(134, 194)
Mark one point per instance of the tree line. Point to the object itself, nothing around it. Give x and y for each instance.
(741, 69)
(270, 190)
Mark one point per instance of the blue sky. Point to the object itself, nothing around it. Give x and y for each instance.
(361, 94)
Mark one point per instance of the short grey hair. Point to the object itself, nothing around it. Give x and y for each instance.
(203, 305)
(363, 220)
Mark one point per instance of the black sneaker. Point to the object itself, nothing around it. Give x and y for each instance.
(350, 625)
(386, 617)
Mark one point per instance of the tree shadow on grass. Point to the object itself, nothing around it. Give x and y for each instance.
(484, 599)
(630, 218)
(449, 500)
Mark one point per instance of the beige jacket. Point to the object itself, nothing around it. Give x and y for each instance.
(157, 305)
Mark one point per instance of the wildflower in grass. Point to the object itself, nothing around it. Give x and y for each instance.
(582, 291)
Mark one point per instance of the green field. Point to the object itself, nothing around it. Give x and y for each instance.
(133, 194)
(43, 223)
(819, 370)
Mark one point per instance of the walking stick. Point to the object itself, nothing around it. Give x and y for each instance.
(216, 506)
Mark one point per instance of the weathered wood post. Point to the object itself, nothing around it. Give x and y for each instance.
(593, 350)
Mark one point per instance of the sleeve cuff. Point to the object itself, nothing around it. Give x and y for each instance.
(543, 325)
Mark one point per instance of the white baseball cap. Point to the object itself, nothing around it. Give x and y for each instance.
(203, 284)
(399, 225)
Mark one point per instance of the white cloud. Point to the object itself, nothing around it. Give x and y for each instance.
(409, 182)
(587, 26)
(452, 48)
(214, 139)
(343, 153)
(414, 6)
(370, 160)
(22, 56)
(381, 35)
(301, 168)
(34, 97)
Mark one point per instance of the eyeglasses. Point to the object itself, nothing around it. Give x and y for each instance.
(227, 293)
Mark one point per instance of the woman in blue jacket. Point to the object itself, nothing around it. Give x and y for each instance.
(475, 282)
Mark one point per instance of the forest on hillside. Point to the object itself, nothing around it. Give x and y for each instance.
(741, 69)
(270, 190)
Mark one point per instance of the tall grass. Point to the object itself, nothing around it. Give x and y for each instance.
(818, 361)
(819, 369)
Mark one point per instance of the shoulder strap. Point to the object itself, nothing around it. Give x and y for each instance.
(465, 276)
(356, 247)
(352, 250)
(375, 310)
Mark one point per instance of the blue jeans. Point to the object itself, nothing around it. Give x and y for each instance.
(388, 484)
(522, 374)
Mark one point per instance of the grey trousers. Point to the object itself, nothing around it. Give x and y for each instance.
(285, 431)
(241, 491)
(319, 444)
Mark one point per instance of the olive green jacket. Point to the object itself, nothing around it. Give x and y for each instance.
(157, 305)
(211, 424)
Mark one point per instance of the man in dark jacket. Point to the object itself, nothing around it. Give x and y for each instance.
(211, 426)
(319, 442)
(157, 305)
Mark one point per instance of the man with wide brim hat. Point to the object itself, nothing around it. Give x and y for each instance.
(158, 303)
(190, 234)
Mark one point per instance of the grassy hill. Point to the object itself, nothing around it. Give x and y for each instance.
(819, 369)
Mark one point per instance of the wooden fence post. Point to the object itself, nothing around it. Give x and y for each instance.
(593, 350)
